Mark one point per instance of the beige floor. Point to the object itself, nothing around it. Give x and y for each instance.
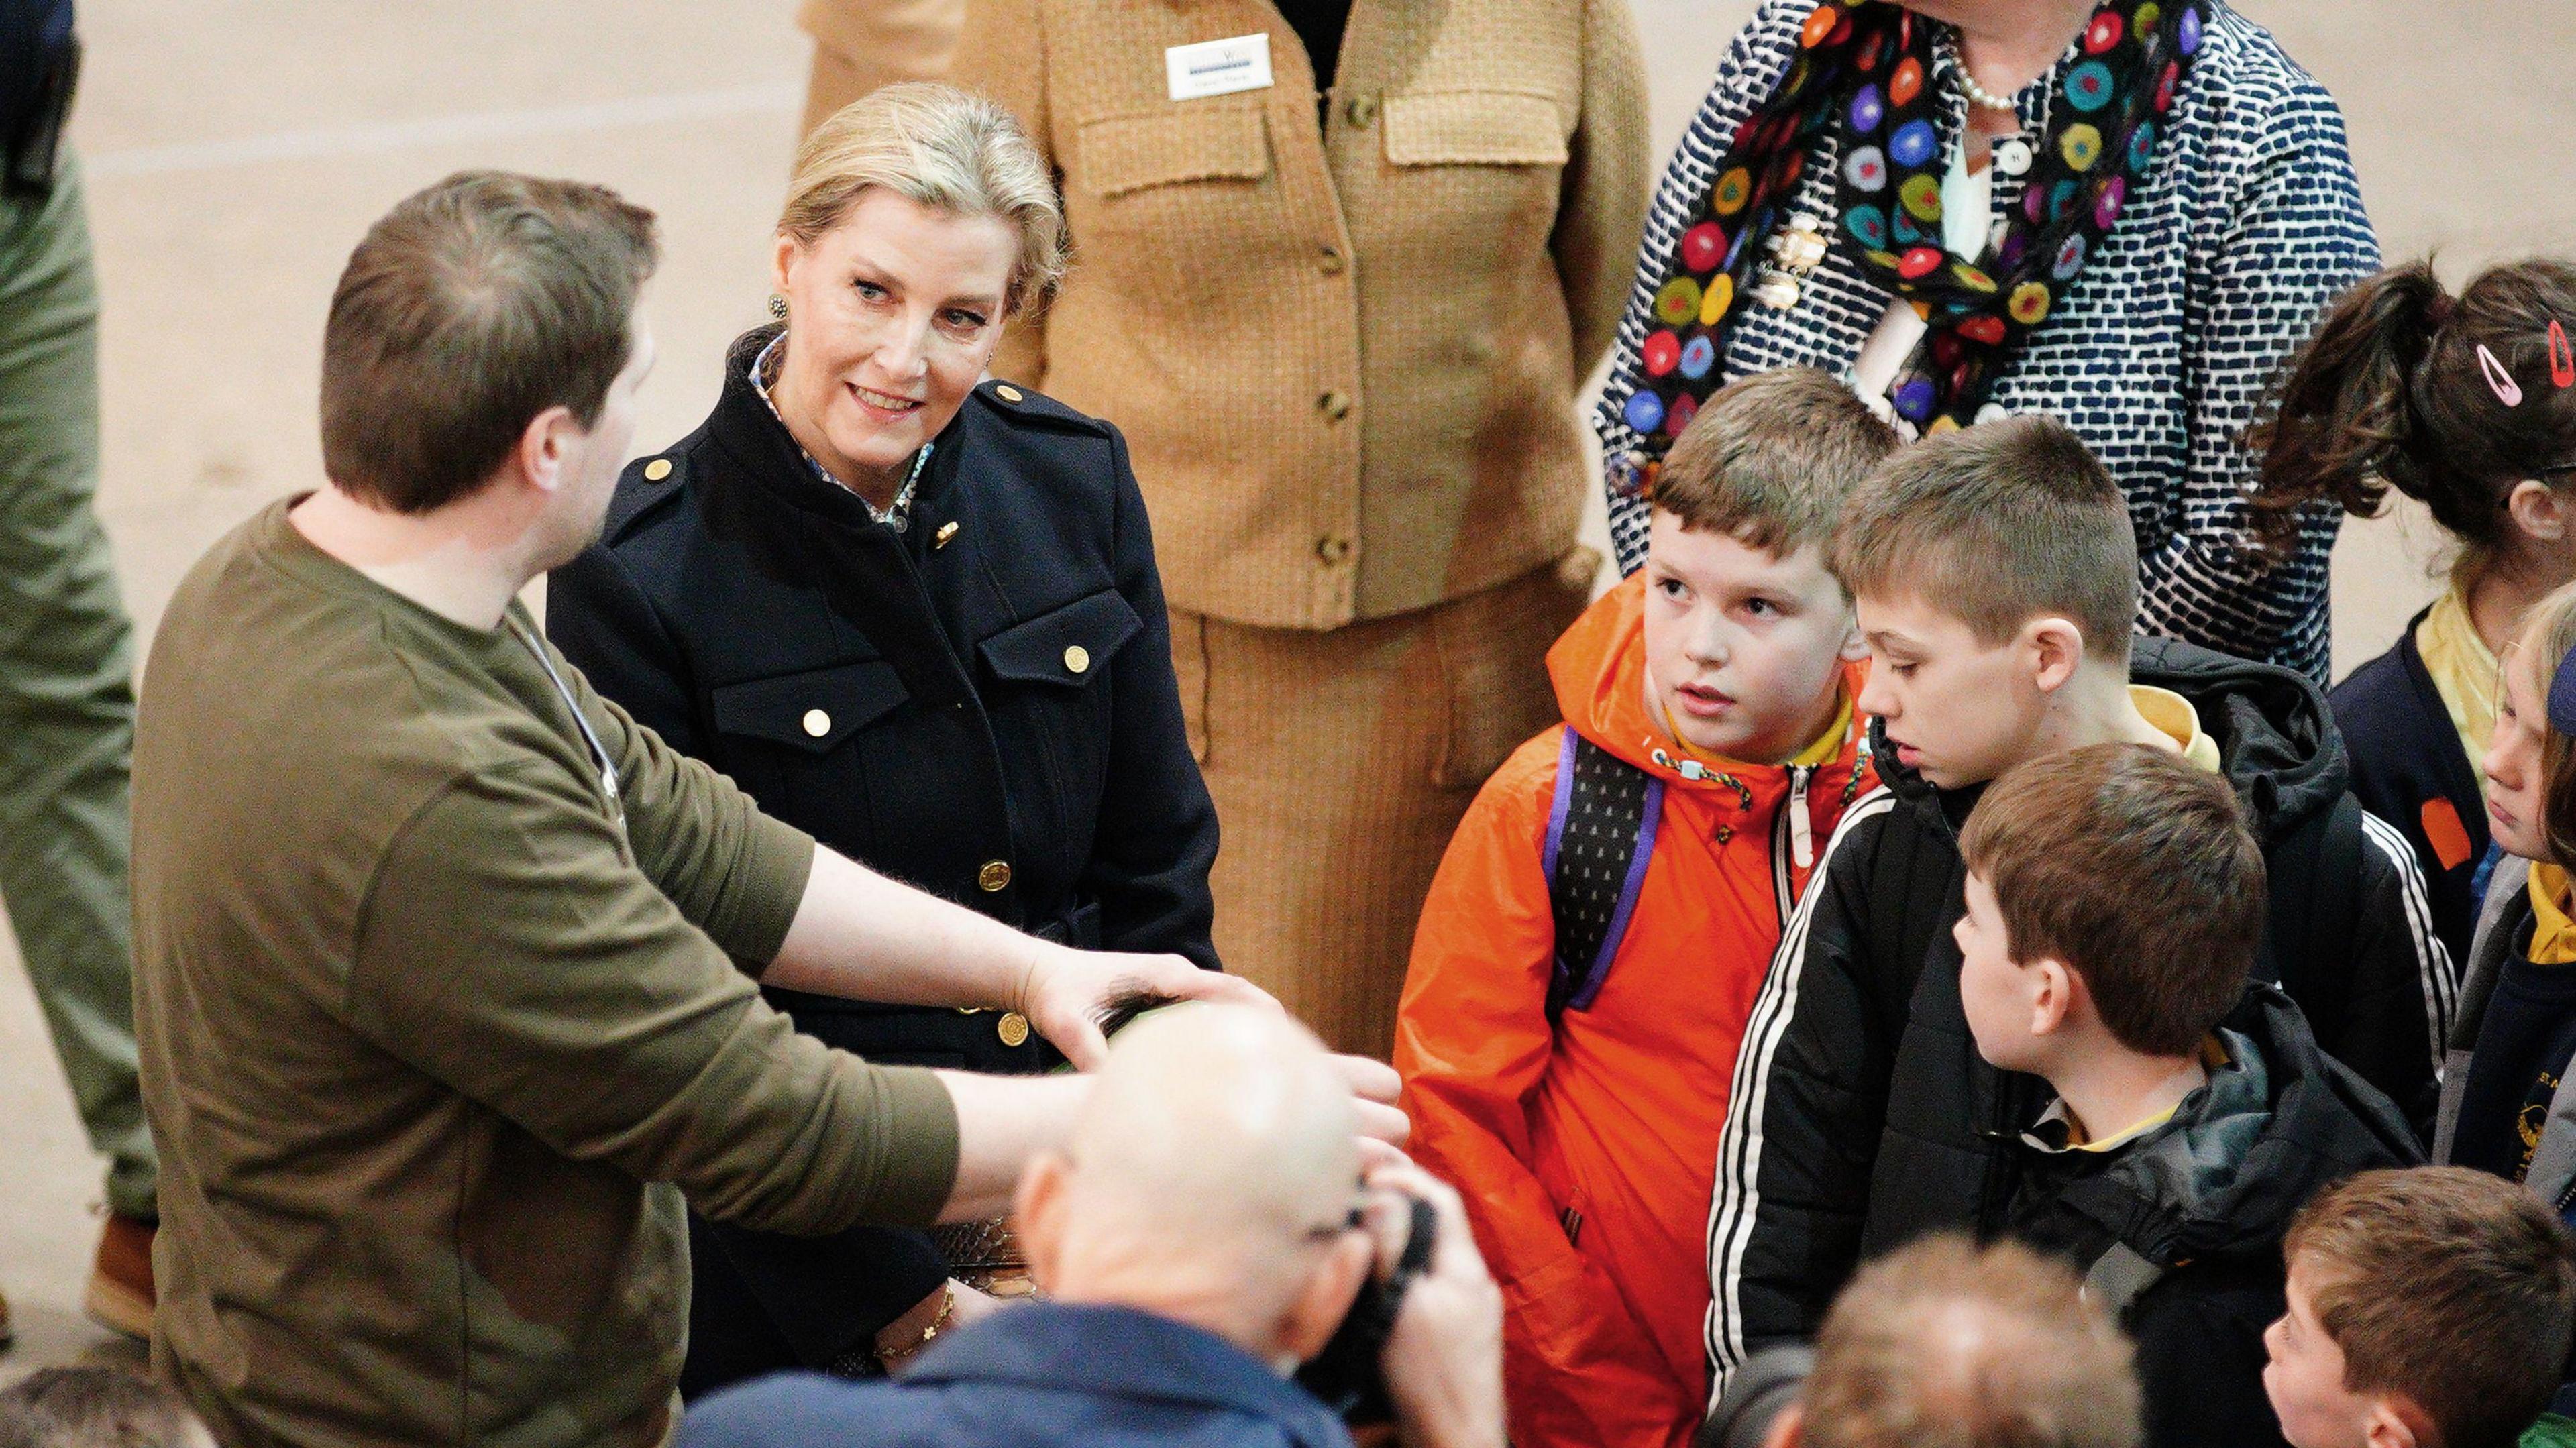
(238, 148)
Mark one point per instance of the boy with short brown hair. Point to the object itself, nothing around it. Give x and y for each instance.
(1994, 575)
(2114, 895)
(1603, 916)
(2428, 1308)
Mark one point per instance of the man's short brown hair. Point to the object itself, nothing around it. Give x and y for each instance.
(1998, 524)
(2135, 869)
(469, 309)
(1771, 459)
(2452, 1287)
(1946, 1344)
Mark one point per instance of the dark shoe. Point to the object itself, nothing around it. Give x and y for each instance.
(120, 1296)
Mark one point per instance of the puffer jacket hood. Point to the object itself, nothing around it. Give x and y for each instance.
(2278, 1123)
(2276, 739)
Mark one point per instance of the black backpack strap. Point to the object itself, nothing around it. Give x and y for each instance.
(2325, 860)
(2118, 1278)
(1600, 833)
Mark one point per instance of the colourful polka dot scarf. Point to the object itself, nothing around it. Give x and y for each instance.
(1865, 68)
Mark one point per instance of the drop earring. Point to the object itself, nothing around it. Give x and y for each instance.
(777, 307)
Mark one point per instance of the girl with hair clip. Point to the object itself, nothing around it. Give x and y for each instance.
(2468, 405)
(2509, 1072)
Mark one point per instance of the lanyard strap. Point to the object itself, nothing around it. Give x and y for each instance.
(598, 751)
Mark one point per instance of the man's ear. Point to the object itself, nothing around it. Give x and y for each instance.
(1037, 1214)
(2055, 647)
(2396, 1422)
(1789, 1429)
(2053, 993)
(1319, 1307)
(544, 448)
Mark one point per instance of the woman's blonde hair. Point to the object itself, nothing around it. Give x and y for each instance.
(2547, 636)
(943, 148)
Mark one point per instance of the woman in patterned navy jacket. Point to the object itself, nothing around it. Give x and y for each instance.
(2151, 206)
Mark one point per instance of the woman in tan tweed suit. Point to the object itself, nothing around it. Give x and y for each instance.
(1342, 321)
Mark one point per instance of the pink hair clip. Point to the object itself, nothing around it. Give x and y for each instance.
(2562, 358)
(2499, 381)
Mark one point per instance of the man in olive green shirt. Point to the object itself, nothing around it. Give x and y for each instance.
(445, 968)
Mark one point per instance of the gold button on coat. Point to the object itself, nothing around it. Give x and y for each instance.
(1013, 1028)
(1332, 550)
(994, 875)
(1330, 260)
(1361, 110)
(817, 723)
(1007, 392)
(1077, 658)
(656, 470)
(1334, 406)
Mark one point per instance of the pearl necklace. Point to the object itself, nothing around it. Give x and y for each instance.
(1977, 95)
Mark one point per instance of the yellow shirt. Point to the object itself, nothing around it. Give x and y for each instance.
(2173, 714)
(2553, 933)
(2465, 675)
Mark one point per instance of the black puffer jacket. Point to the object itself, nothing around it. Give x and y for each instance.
(2201, 1203)
(1862, 1114)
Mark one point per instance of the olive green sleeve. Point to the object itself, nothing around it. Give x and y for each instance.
(733, 872)
(508, 948)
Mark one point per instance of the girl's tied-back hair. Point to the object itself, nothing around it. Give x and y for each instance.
(2393, 392)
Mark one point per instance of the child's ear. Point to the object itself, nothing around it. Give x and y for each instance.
(1855, 648)
(2055, 647)
(2395, 1422)
(2538, 511)
(2052, 1000)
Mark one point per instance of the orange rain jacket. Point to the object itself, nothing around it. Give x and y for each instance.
(1586, 1154)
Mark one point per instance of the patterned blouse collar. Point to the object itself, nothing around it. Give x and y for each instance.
(899, 515)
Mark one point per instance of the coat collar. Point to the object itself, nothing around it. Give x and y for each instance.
(1124, 1352)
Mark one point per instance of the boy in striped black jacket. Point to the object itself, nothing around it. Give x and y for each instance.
(1994, 571)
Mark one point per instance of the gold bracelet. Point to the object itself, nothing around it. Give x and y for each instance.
(947, 1306)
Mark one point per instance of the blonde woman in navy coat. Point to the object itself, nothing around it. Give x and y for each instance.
(918, 616)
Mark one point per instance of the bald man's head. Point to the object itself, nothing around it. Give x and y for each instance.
(1210, 1176)
(1948, 1345)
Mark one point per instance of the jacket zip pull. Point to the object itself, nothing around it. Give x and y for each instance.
(1802, 831)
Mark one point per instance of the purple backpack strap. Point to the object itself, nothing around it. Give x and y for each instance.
(1600, 833)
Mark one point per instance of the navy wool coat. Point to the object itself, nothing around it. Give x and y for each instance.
(981, 704)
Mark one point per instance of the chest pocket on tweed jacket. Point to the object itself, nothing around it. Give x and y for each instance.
(1166, 192)
(1468, 173)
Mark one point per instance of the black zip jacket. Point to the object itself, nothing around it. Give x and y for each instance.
(2203, 1201)
(1863, 1116)
(2408, 769)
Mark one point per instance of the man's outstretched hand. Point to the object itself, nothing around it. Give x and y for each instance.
(1065, 992)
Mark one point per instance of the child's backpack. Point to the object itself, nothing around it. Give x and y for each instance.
(1600, 834)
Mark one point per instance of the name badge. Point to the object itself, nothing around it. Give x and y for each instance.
(1218, 67)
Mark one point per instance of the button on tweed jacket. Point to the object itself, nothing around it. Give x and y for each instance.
(1345, 359)
(2161, 354)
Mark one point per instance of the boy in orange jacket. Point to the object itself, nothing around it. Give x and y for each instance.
(1597, 931)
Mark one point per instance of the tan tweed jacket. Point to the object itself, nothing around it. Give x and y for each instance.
(1345, 357)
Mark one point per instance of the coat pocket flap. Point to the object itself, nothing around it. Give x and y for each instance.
(1119, 154)
(814, 710)
(1473, 128)
(1069, 645)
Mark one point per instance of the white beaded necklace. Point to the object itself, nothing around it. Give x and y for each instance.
(1977, 95)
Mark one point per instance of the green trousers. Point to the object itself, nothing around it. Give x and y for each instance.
(66, 682)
